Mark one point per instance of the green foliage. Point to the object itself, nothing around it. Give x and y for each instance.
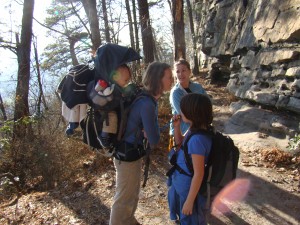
(6, 189)
(6, 127)
(57, 58)
(27, 120)
(58, 13)
(58, 50)
(68, 32)
(5, 135)
(4, 143)
(294, 143)
(6, 132)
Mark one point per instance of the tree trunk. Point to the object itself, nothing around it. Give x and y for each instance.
(178, 29)
(41, 97)
(195, 55)
(105, 18)
(72, 43)
(23, 55)
(155, 50)
(2, 108)
(147, 36)
(130, 23)
(136, 29)
(112, 18)
(90, 8)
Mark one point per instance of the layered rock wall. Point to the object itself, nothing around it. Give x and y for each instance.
(257, 44)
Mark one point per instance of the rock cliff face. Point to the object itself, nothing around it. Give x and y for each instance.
(256, 43)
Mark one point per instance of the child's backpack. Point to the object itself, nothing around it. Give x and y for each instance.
(221, 166)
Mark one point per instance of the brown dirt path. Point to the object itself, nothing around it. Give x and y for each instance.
(273, 198)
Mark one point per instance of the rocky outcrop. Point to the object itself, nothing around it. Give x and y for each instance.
(256, 44)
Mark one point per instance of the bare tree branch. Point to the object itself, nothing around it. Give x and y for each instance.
(76, 37)
(50, 28)
(41, 93)
(75, 11)
(9, 47)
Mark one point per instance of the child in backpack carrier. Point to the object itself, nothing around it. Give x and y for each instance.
(186, 204)
(121, 77)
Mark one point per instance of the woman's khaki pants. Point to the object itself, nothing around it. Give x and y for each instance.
(128, 179)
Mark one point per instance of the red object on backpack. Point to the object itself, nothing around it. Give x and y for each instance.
(101, 85)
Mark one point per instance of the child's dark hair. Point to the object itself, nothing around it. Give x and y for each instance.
(198, 109)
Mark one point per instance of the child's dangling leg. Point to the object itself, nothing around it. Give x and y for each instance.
(71, 127)
(108, 134)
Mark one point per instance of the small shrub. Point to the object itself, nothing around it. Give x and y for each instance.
(43, 157)
(294, 143)
(276, 157)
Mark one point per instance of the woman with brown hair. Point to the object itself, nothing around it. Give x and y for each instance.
(142, 122)
(182, 87)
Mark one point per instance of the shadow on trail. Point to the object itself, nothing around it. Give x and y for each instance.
(268, 201)
(87, 196)
(88, 209)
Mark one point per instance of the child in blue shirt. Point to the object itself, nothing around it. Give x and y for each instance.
(185, 202)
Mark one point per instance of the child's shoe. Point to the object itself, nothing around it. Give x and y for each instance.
(71, 127)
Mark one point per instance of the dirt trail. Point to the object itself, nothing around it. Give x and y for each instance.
(273, 197)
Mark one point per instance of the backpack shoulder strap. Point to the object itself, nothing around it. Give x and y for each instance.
(187, 157)
(143, 94)
(126, 110)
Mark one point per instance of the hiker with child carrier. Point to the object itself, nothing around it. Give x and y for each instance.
(121, 122)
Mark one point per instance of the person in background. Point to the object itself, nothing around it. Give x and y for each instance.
(182, 87)
(142, 122)
(185, 202)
